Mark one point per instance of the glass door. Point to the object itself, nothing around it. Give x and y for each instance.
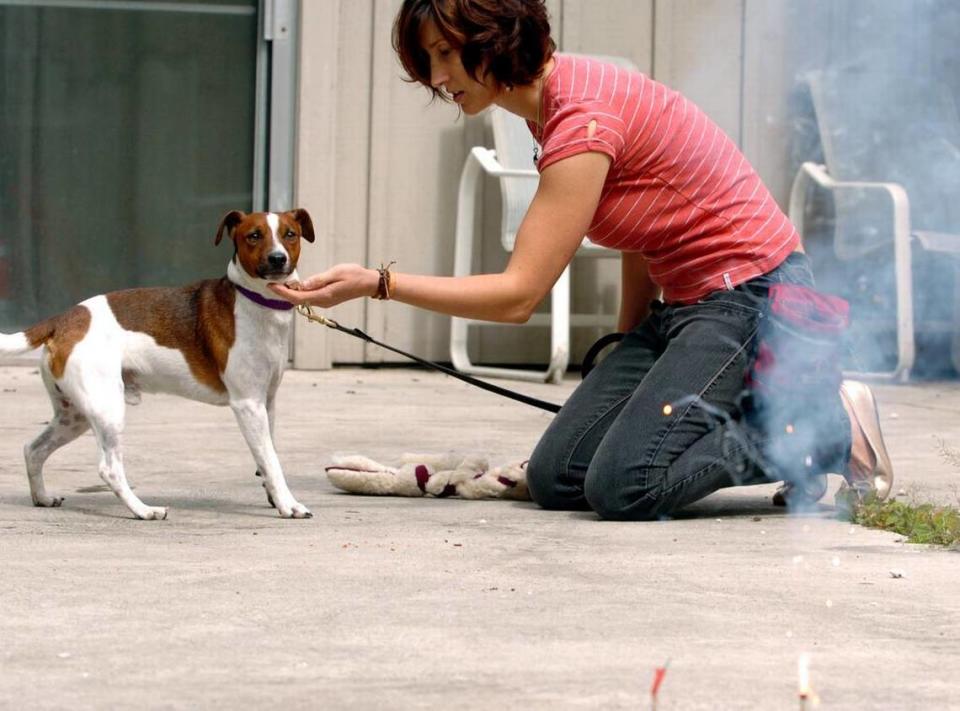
(127, 130)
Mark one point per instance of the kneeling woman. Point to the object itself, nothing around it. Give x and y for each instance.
(640, 169)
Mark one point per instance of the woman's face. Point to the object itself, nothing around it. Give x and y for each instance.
(447, 73)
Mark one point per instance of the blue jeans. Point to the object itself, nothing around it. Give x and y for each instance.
(657, 424)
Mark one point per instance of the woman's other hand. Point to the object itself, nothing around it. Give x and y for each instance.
(340, 283)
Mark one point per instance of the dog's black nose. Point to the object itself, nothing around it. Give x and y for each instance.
(277, 259)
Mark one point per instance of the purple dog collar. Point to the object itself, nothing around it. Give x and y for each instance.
(275, 304)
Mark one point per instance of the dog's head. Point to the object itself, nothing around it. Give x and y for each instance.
(267, 244)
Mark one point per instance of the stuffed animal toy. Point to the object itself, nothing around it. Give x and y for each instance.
(437, 475)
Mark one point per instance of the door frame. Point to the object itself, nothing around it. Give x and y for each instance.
(275, 125)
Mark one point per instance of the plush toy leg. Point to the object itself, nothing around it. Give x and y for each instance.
(436, 475)
(360, 475)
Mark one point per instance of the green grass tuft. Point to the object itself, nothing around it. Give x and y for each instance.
(920, 523)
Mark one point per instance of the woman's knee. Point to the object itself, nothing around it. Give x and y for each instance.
(542, 478)
(551, 486)
(624, 494)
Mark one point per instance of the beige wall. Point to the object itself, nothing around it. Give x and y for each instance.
(378, 165)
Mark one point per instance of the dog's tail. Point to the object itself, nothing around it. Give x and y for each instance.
(12, 344)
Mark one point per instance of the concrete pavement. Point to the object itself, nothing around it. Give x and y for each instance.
(447, 604)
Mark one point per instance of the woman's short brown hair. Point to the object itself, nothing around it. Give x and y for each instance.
(508, 40)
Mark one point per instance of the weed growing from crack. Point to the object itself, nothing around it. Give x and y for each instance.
(920, 523)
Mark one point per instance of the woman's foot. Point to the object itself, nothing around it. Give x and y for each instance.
(807, 493)
(869, 471)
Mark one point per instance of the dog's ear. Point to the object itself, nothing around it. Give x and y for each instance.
(229, 221)
(306, 224)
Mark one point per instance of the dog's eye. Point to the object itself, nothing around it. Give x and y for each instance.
(253, 237)
(290, 235)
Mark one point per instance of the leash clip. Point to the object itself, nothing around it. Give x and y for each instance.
(307, 312)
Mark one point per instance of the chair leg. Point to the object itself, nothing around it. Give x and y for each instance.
(463, 255)
(903, 266)
(559, 328)
(955, 345)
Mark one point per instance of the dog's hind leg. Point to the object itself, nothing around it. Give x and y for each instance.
(106, 415)
(66, 425)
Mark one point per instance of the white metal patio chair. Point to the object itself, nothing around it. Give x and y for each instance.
(892, 166)
(511, 162)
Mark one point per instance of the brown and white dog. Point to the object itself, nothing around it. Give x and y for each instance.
(220, 341)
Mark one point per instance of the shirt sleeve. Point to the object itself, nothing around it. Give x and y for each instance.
(566, 133)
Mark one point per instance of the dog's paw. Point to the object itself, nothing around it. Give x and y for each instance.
(48, 501)
(152, 513)
(294, 510)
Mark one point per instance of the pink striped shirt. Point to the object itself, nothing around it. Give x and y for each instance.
(679, 191)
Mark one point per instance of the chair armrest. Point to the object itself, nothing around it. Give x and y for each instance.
(818, 173)
(592, 249)
(938, 241)
(487, 158)
(813, 173)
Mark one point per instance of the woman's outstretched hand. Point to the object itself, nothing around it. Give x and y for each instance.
(334, 286)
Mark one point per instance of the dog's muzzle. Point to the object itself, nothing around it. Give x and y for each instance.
(277, 265)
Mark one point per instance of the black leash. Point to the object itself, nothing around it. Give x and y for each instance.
(594, 350)
(307, 312)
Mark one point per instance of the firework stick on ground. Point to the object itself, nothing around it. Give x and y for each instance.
(658, 675)
(803, 680)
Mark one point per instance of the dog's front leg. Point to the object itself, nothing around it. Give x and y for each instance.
(272, 417)
(255, 425)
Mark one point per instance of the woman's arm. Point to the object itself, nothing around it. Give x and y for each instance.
(559, 216)
(637, 290)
